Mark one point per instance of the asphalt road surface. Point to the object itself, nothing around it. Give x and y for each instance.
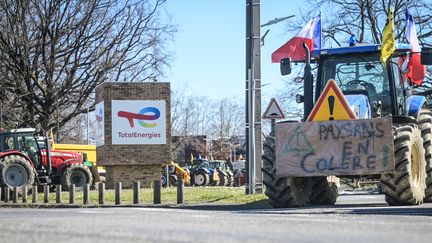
(355, 218)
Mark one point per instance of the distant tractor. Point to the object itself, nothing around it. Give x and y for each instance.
(202, 174)
(226, 176)
(174, 172)
(24, 162)
(388, 135)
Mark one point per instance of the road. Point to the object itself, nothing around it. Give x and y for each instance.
(355, 218)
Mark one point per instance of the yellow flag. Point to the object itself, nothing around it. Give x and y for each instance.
(388, 39)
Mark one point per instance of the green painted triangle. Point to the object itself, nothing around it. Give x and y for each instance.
(298, 143)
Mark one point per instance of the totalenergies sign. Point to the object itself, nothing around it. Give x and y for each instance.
(138, 122)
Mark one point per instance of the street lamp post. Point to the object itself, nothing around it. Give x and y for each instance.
(253, 94)
(253, 97)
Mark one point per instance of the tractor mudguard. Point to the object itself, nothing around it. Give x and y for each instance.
(207, 171)
(414, 105)
(17, 153)
(65, 164)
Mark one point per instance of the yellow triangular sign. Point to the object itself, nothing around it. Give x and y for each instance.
(273, 111)
(331, 105)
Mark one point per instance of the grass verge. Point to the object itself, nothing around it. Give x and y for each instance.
(192, 195)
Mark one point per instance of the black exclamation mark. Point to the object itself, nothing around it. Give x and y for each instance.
(331, 100)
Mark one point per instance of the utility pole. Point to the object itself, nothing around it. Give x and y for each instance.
(253, 97)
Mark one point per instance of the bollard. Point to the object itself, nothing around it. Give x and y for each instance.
(46, 194)
(15, 195)
(180, 191)
(118, 189)
(34, 194)
(58, 194)
(157, 192)
(6, 194)
(167, 176)
(86, 198)
(136, 192)
(72, 194)
(101, 190)
(24, 194)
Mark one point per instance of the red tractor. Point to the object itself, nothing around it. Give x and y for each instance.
(25, 162)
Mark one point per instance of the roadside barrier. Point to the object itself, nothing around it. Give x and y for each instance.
(24, 194)
(72, 194)
(7, 195)
(180, 191)
(101, 192)
(136, 192)
(46, 193)
(34, 194)
(157, 192)
(118, 189)
(58, 193)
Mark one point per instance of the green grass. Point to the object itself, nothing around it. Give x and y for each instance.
(192, 195)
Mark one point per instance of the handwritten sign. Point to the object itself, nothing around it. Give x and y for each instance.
(348, 147)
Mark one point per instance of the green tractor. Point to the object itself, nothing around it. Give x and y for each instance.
(226, 176)
(388, 139)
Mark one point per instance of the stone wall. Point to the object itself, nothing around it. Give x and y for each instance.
(127, 174)
(127, 163)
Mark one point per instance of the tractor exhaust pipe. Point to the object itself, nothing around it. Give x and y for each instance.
(308, 85)
(48, 153)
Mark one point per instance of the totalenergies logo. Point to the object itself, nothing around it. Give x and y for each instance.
(145, 114)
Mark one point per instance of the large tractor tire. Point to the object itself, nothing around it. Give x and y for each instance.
(283, 192)
(406, 186)
(77, 174)
(324, 192)
(223, 179)
(16, 171)
(230, 179)
(173, 180)
(425, 125)
(201, 178)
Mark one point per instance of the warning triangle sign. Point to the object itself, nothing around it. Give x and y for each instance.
(273, 111)
(331, 105)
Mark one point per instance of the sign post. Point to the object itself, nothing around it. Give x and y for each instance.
(273, 112)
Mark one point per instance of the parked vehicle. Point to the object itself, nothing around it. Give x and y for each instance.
(174, 172)
(24, 162)
(202, 174)
(378, 94)
(226, 176)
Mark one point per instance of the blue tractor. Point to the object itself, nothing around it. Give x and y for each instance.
(373, 90)
(202, 174)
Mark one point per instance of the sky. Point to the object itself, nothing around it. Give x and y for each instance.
(209, 47)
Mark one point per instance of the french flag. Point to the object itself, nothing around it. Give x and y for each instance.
(310, 34)
(417, 71)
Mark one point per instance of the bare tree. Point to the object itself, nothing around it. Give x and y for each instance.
(54, 53)
(228, 118)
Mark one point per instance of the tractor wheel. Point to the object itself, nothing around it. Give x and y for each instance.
(283, 191)
(425, 125)
(230, 179)
(16, 171)
(201, 178)
(406, 186)
(324, 192)
(77, 174)
(173, 180)
(223, 179)
(163, 181)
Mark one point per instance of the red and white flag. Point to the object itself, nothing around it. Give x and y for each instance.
(310, 34)
(417, 71)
